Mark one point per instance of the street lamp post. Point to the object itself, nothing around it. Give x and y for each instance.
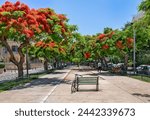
(135, 18)
(134, 50)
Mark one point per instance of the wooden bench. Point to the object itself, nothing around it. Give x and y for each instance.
(82, 80)
(88, 81)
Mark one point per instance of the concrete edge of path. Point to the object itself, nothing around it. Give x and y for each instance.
(51, 91)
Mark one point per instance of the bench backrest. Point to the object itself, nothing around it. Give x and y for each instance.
(87, 80)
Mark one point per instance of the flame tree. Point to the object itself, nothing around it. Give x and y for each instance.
(24, 25)
(98, 47)
(55, 48)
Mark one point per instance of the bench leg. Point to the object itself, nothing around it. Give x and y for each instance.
(77, 87)
(97, 86)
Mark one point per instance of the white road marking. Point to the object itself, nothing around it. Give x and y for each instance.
(49, 93)
(52, 90)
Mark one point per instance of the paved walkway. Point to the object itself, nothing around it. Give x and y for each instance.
(50, 89)
(36, 91)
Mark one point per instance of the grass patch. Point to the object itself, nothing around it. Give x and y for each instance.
(10, 84)
(141, 77)
(20, 82)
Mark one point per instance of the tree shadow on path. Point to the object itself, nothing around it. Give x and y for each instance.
(42, 82)
(141, 95)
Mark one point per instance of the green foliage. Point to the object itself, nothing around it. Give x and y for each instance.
(76, 60)
(5, 13)
(18, 14)
(72, 28)
(107, 30)
(144, 6)
(55, 18)
(57, 29)
(2, 65)
(51, 22)
(143, 57)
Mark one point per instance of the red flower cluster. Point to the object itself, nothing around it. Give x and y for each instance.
(87, 55)
(32, 21)
(119, 44)
(105, 47)
(62, 50)
(52, 44)
(62, 17)
(10, 7)
(28, 33)
(45, 45)
(130, 42)
(40, 44)
(101, 36)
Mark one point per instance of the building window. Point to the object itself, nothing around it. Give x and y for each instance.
(15, 48)
(4, 50)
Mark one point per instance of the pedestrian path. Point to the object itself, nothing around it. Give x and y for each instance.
(110, 92)
(56, 88)
(36, 91)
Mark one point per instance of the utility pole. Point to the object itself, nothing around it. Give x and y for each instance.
(134, 50)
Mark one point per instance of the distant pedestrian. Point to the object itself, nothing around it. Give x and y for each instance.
(99, 67)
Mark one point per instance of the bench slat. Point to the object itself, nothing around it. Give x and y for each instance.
(86, 84)
(88, 77)
(87, 81)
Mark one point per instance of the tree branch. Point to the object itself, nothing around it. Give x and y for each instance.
(5, 43)
(20, 52)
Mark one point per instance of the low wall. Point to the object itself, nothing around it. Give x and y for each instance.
(11, 66)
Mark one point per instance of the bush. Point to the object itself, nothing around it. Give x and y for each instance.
(2, 65)
(143, 58)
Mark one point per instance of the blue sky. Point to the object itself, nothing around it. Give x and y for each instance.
(91, 16)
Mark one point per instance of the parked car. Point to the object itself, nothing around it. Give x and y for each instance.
(120, 64)
(139, 69)
(110, 66)
(146, 70)
(143, 69)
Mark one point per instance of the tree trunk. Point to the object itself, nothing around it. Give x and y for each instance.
(46, 65)
(20, 70)
(105, 62)
(19, 64)
(78, 64)
(22, 59)
(125, 63)
(55, 65)
(60, 65)
(102, 63)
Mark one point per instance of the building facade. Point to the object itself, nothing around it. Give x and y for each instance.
(5, 57)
